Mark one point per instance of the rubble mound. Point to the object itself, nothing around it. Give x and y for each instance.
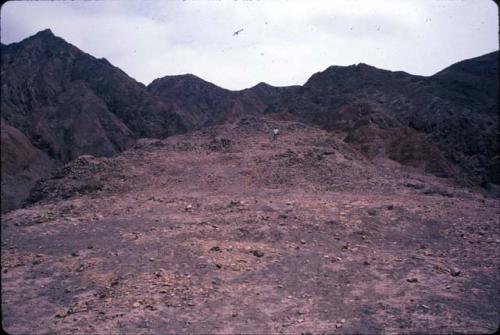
(321, 237)
(86, 174)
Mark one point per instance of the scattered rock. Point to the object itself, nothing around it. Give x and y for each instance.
(415, 186)
(436, 190)
(80, 268)
(390, 207)
(36, 262)
(454, 271)
(74, 254)
(303, 241)
(64, 312)
(366, 263)
(258, 253)
(136, 304)
(371, 212)
(216, 248)
(114, 282)
(412, 280)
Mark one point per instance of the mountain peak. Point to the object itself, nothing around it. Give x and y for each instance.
(478, 66)
(365, 66)
(44, 36)
(262, 84)
(180, 83)
(45, 33)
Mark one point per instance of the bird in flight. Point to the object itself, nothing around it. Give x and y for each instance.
(237, 32)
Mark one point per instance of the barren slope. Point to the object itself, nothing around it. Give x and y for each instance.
(223, 231)
(455, 110)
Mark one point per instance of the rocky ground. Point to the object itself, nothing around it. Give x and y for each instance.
(225, 231)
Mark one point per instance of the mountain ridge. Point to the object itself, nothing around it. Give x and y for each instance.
(68, 103)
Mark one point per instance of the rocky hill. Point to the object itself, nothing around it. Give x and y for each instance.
(205, 104)
(172, 209)
(49, 84)
(455, 112)
(225, 231)
(68, 103)
(64, 103)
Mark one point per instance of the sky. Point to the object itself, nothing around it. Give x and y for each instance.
(281, 42)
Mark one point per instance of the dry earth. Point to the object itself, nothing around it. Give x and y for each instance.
(225, 231)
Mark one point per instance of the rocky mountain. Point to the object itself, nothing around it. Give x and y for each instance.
(70, 103)
(344, 223)
(59, 103)
(66, 103)
(453, 115)
(205, 104)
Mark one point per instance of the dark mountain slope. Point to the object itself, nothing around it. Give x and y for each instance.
(204, 104)
(44, 78)
(201, 102)
(479, 75)
(22, 166)
(68, 103)
(457, 109)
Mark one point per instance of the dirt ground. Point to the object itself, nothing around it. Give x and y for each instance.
(225, 231)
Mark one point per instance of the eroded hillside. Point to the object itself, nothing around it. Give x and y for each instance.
(225, 231)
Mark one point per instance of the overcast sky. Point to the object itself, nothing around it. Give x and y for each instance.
(282, 42)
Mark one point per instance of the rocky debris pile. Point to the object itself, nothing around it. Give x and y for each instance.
(219, 144)
(430, 189)
(86, 174)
